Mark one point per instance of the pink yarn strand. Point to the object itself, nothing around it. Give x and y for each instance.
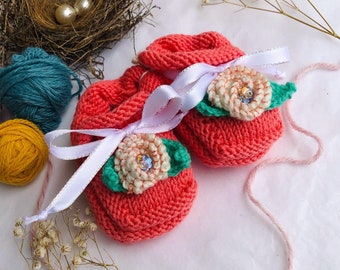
(251, 177)
(42, 192)
(316, 66)
(43, 188)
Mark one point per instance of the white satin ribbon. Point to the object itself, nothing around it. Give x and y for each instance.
(192, 82)
(163, 111)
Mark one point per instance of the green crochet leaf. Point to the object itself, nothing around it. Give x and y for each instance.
(179, 160)
(206, 109)
(111, 178)
(179, 156)
(280, 93)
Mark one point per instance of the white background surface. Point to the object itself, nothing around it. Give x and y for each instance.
(223, 230)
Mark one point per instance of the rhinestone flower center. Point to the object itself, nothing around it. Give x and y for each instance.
(246, 94)
(144, 162)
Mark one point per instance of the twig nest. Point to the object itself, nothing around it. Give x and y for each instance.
(243, 92)
(24, 152)
(75, 30)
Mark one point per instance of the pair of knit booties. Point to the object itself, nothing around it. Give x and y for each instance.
(147, 186)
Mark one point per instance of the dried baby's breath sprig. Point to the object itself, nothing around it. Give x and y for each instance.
(36, 265)
(19, 232)
(65, 249)
(62, 242)
(286, 8)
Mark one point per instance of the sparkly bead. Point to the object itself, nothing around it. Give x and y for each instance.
(65, 14)
(246, 94)
(144, 162)
(138, 161)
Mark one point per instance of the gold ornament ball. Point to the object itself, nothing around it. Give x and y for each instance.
(82, 6)
(65, 14)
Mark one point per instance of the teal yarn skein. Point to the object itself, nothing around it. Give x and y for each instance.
(37, 87)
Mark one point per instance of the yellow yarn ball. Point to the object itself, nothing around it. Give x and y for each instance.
(23, 152)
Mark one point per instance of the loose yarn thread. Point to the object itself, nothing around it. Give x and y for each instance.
(24, 152)
(251, 177)
(37, 87)
(44, 187)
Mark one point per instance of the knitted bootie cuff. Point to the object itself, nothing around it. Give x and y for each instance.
(178, 51)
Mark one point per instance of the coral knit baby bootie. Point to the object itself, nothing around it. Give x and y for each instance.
(147, 186)
(238, 120)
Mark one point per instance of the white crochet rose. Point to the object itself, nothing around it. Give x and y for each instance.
(243, 92)
(140, 161)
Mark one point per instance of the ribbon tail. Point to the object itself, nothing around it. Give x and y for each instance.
(81, 178)
(73, 152)
(77, 151)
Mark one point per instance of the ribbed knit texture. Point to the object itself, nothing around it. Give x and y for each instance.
(128, 217)
(216, 141)
(177, 51)
(225, 141)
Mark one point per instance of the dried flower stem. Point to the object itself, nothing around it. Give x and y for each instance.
(20, 248)
(66, 220)
(277, 7)
(57, 251)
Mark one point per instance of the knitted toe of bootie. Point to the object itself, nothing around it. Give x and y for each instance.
(228, 127)
(220, 142)
(147, 186)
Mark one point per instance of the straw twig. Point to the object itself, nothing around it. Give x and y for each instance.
(287, 8)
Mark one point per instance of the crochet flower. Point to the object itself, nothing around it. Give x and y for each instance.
(243, 92)
(141, 160)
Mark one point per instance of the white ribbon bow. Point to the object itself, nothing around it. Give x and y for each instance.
(163, 111)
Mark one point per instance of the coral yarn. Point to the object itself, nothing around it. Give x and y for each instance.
(225, 141)
(216, 141)
(24, 152)
(178, 51)
(129, 217)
